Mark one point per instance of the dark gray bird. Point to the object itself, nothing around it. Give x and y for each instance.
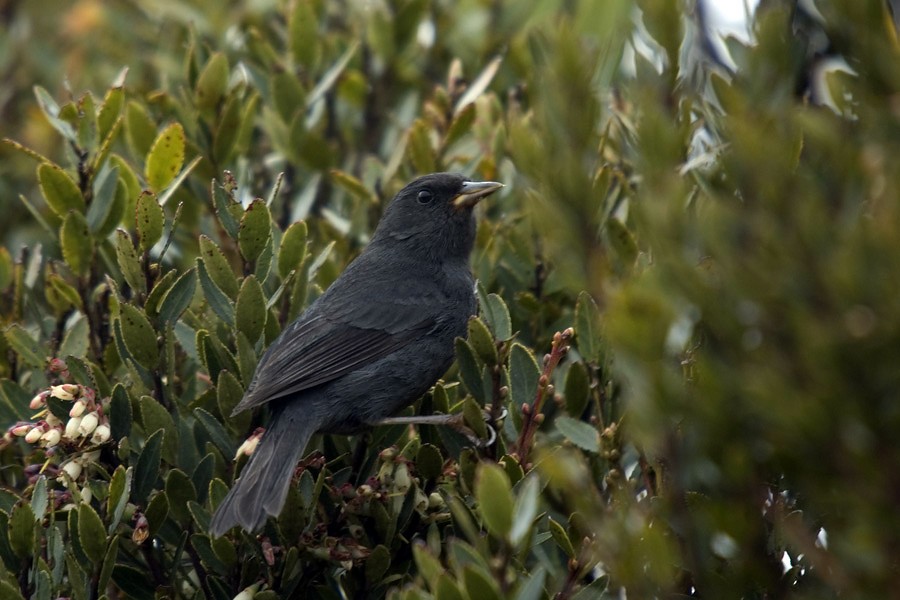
(374, 342)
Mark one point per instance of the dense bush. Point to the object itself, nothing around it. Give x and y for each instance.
(689, 329)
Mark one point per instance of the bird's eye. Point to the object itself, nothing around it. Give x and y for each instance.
(424, 197)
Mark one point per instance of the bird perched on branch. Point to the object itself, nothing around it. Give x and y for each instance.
(374, 342)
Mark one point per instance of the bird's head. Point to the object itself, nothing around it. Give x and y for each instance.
(434, 214)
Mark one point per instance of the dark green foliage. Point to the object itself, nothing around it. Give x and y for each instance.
(683, 379)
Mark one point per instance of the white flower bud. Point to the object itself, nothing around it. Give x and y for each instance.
(86, 495)
(88, 424)
(78, 408)
(101, 434)
(72, 426)
(72, 469)
(247, 593)
(52, 420)
(51, 437)
(34, 434)
(65, 391)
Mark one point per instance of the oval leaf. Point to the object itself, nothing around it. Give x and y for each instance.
(76, 242)
(495, 501)
(254, 230)
(140, 337)
(59, 190)
(166, 157)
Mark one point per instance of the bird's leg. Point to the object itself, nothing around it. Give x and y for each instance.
(454, 421)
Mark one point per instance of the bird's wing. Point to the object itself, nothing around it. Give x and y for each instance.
(317, 349)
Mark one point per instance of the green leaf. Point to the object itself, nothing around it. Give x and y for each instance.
(157, 512)
(179, 297)
(160, 288)
(179, 491)
(482, 341)
(474, 418)
(119, 492)
(39, 498)
(134, 583)
(495, 500)
(217, 299)
(495, 313)
(561, 537)
(92, 533)
(470, 370)
(228, 211)
(140, 129)
(523, 375)
(105, 211)
(525, 510)
(216, 432)
(429, 462)
(28, 350)
(579, 433)
(587, 327)
(21, 530)
(51, 111)
(479, 584)
(109, 563)
(213, 82)
(250, 311)
(576, 389)
(228, 393)
(130, 262)
(419, 149)
(149, 220)
(377, 564)
(288, 95)
(166, 157)
(119, 413)
(59, 190)
(218, 268)
(353, 186)
(255, 230)
(76, 242)
(293, 249)
(6, 268)
(622, 240)
(7, 590)
(533, 589)
(146, 471)
(155, 418)
(139, 336)
(87, 122)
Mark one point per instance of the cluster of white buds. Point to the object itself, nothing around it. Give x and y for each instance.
(70, 473)
(86, 420)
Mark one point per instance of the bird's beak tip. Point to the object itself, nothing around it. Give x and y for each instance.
(473, 191)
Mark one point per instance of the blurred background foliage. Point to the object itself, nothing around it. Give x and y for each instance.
(718, 225)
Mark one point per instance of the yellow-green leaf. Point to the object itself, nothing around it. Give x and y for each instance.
(140, 129)
(76, 242)
(419, 148)
(149, 219)
(292, 252)
(59, 190)
(166, 157)
(129, 262)
(217, 267)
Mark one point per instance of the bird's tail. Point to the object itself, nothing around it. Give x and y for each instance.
(262, 487)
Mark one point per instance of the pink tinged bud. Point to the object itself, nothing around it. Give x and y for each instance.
(72, 469)
(72, 426)
(101, 434)
(21, 429)
(65, 391)
(88, 424)
(78, 408)
(52, 421)
(141, 530)
(38, 401)
(249, 445)
(51, 437)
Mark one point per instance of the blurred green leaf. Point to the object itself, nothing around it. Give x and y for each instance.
(525, 510)
(213, 82)
(304, 38)
(479, 584)
(576, 390)
(523, 375)
(495, 500)
(179, 297)
(579, 433)
(25, 346)
(140, 128)
(587, 328)
(419, 148)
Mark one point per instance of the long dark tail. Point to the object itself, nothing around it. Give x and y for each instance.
(262, 487)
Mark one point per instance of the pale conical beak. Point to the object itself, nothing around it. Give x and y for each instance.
(473, 191)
